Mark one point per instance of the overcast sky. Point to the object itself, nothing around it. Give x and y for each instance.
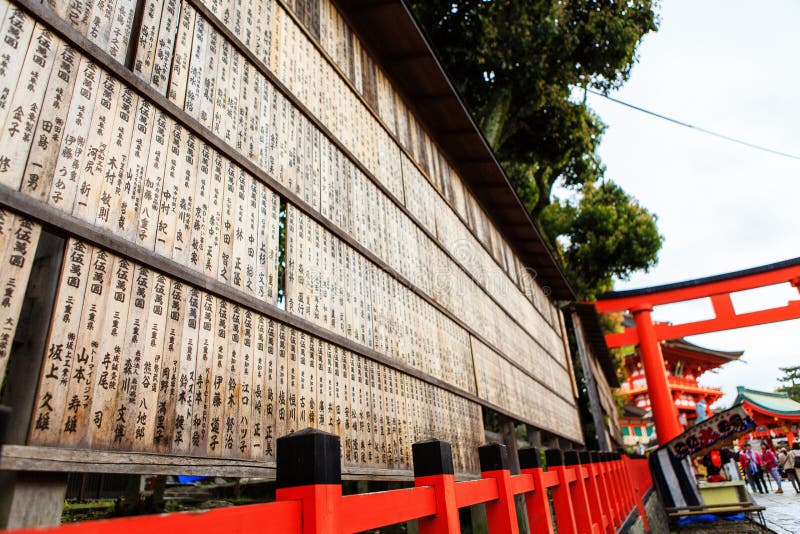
(732, 67)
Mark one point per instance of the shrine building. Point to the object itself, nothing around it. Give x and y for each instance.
(776, 415)
(684, 363)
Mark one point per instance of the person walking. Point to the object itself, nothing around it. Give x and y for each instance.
(786, 460)
(794, 454)
(751, 465)
(769, 462)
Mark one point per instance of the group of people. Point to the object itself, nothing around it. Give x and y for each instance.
(756, 464)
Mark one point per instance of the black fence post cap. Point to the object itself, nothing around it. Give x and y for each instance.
(493, 456)
(585, 457)
(554, 457)
(432, 457)
(530, 458)
(571, 458)
(596, 456)
(308, 456)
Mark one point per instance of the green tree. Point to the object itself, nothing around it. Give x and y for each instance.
(517, 65)
(791, 381)
(606, 233)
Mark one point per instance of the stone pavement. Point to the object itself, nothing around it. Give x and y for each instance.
(783, 510)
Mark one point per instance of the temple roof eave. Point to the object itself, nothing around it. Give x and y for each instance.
(772, 404)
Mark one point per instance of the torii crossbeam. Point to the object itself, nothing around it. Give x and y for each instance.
(640, 303)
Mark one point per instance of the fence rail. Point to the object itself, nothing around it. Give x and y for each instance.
(588, 493)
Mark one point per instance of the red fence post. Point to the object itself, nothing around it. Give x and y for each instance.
(433, 466)
(627, 490)
(636, 489)
(605, 491)
(616, 491)
(580, 495)
(562, 501)
(309, 471)
(593, 491)
(502, 513)
(537, 503)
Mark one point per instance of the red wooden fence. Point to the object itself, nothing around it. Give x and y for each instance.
(589, 492)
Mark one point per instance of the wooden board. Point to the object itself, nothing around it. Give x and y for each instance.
(192, 369)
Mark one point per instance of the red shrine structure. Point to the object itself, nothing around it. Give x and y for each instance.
(775, 414)
(684, 363)
(648, 335)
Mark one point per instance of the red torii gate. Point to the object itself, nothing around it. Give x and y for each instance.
(640, 303)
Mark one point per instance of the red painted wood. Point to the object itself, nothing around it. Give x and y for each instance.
(550, 479)
(616, 487)
(562, 502)
(522, 483)
(593, 494)
(446, 519)
(675, 331)
(537, 504)
(475, 492)
(283, 517)
(367, 511)
(501, 513)
(636, 489)
(580, 503)
(665, 413)
(321, 506)
(624, 489)
(606, 492)
(786, 274)
(619, 504)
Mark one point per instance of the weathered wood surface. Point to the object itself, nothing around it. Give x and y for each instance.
(404, 305)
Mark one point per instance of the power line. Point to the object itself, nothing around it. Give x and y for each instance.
(693, 127)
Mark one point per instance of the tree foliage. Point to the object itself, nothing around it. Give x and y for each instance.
(517, 65)
(790, 381)
(608, 235)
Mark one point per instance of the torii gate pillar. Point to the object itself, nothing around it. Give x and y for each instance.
(718, 290)
(665, 414)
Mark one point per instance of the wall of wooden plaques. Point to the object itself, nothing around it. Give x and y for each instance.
(260, 156)
(140, 361)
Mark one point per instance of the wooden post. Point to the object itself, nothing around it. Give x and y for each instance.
(433, 466)
(591, 384)
(593, 492)
(33, 499)
(549, 441)
(509, 433)
(309, 470)
(502, 513)
(534, 437)
(536, 502)
(603, 489)
(579, 494)
(636, 491)
(562, 500)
